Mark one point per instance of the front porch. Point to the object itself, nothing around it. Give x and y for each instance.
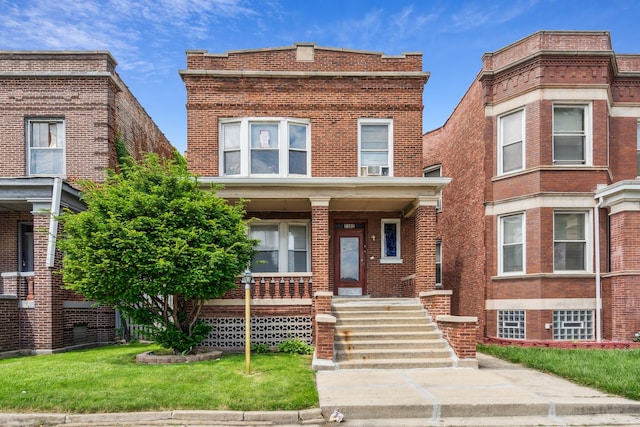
(326, 238)
(38, 315)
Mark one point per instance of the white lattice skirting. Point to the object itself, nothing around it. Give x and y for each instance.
(228, 332)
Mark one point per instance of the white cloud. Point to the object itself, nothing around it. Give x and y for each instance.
(478, 14)
(133, 30)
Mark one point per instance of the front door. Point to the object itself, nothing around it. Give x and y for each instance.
(25, 247)
(349, 259)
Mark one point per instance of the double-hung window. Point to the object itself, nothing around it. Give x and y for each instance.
(570, 249)
(390, 241)
(511, 243)
(264, 147)
(511, 142)
(375, 147)
(45, 145)
(571, 135)
(282, 247)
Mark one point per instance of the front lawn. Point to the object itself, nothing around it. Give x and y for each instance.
(109, 380)
(611, 371)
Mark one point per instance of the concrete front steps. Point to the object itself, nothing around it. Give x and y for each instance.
(387, 333)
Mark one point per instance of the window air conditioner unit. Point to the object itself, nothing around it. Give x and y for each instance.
(374, 170)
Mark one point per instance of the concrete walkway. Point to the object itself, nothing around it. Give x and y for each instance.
(496, 394)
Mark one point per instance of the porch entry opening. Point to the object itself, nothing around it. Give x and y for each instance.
(349, 259)
(25, 247)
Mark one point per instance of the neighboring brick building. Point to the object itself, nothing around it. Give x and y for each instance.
(541, 223)
(325, 147)
(60, 113)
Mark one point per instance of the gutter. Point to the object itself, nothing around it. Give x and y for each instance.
(56, 196)
(596, 235)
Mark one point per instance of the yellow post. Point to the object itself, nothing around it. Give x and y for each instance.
(247, 320)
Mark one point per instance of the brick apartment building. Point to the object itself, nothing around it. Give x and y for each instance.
(59, 116)
(540, 226)
(325, 147)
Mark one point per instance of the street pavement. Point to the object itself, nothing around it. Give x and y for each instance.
(498, 393)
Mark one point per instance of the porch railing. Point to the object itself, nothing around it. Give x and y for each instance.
(276, 286)
(406, 287)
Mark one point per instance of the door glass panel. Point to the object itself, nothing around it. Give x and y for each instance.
(349, 259)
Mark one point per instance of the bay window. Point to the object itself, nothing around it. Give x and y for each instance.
(45, 146)
(511, 142)
(511, 244)
(570, 241)
(264, 147)
(571, 135)
(282, 247)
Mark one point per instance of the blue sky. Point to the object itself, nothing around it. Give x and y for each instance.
(149, 38)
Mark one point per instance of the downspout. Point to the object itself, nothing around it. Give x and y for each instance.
(596, 234)
(56, 196)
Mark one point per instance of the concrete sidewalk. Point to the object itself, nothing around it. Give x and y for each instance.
(498, 393)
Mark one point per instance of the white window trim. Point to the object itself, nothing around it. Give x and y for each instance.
(245, 144)
(388, 122)
(588, 235)
(501, 271)
(29, 122)
(501, 142)
(398, 258)
(283, 243)
(588, 133)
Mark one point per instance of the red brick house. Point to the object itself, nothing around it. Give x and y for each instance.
(325, 147)
(540, 226)
(60, 113)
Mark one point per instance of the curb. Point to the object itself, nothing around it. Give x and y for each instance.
(307, 416)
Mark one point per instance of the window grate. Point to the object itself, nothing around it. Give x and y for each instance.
(573, 325)
(511, 324)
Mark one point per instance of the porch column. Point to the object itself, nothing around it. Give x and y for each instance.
(46, 317)
(321, 301)
(320, 243)
(425, 224)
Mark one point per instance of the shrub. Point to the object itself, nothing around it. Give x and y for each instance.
(178, 341)
(294, 346)
(260, 348)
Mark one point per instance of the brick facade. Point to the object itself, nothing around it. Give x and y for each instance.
(331, 91)
(83, 91)
(532, 76)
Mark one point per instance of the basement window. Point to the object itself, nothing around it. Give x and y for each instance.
(573, 325)
(511, 324)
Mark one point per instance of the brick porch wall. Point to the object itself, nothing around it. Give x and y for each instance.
(461, 333)
(425, 249)
(9, 325)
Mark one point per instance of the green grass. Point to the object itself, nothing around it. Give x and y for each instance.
(611, 371)
(109, 380)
